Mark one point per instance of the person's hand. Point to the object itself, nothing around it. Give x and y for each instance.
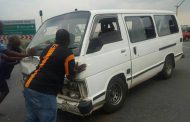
(80, 68)
(31, 51)
(11, 58)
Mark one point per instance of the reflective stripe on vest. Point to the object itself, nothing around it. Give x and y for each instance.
(66, 64)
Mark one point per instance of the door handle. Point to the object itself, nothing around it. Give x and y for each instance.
(123, 51)
(135, 50)
(181, 39)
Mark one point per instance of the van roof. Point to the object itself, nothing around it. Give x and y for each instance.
(140, 11)
(122, 11)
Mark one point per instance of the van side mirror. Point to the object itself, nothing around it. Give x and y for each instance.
(95, 45)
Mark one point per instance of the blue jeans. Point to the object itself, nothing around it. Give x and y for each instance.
(40, 107)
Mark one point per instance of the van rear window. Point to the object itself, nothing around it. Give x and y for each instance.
(166, 24)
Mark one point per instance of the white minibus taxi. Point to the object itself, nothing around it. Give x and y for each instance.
(121, 49)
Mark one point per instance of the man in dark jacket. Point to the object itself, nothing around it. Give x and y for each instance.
(13, 45)
(7, 55)
(44, 83)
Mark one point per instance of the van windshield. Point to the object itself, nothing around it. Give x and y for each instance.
(75, 23)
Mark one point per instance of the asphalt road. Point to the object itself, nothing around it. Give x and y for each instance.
(153, 101)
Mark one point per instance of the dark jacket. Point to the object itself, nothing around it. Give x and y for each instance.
(56, 61)
(9, 65)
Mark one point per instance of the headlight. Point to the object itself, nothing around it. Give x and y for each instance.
(71, 89)
(73, 86)
(74, 95)
(75, 89)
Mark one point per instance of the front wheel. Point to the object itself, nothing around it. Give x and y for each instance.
(115, 95)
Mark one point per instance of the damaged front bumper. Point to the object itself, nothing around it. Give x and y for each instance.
(81, 108)
(74, 98)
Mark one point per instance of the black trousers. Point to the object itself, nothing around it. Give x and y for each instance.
(4, 89)
(8, 68)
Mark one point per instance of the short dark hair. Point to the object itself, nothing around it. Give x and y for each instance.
(62, 37)
(14, 40)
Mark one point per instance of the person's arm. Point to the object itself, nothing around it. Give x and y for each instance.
(16, 54)
(72, 69)
(69, 65)
(3, 56)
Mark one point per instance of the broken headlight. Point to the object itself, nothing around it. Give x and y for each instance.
(71, 89)
(74, 89)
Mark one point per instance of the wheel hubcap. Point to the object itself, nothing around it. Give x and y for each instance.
(169, 68)
(115, 94)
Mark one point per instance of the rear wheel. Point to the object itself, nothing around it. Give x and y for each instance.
(115, 95)
(168, 68)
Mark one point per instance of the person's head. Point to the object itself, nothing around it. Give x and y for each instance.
(14, 41)
(1, 28)
(62, 37)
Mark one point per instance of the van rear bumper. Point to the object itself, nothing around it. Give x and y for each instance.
(81, 108)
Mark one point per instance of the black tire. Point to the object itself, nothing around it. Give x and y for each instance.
(168, 68)
(115, 95)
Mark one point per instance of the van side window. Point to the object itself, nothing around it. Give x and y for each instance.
(105, 31)
(166, 24)
(140, 28)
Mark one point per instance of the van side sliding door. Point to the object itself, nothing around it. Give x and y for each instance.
(143, 45)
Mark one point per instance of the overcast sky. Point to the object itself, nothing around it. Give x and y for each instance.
(29, 9)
